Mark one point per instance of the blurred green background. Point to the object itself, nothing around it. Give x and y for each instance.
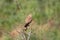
(15, 11)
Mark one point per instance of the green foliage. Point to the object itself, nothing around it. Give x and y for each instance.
(8, 1)
(12, 12)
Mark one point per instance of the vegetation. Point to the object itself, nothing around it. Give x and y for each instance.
(13, 12)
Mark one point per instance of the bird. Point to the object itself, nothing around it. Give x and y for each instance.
(17, 31)
(28, 20)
